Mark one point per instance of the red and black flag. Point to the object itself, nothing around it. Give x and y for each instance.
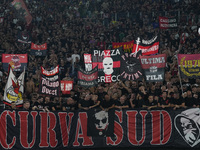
(16, 61)
(24, 37)
(168, 23)
(50, 82)
(127, 46)
(131, 67)
(148, 47)
(154, 67)
(108, 62)
(88, 78)
(38, 50)
(21, 11)
(100, 123)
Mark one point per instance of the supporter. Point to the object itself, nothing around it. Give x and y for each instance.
(165, 100)
(48, 104)
(190, 101)
(150, 103)
(13, 106)
(107, 103)
(39, 104)
(122, 103)
(26, 105)
(85, 103)
(177, 101)
(56, 103)
(95, 100)
(69, 105)
(132, 101)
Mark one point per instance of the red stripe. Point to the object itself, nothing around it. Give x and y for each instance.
(89, 77)
(116, 64)
(10, 104)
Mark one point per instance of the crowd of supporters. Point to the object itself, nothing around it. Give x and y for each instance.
(74, 27)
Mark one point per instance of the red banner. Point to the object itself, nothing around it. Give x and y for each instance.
(38, 50)
(16, 61)
(66, 86)
(127, 46)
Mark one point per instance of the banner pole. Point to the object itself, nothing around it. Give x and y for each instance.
(137, 42)
(180, 77)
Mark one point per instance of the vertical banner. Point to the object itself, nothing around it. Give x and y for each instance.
(14, 89)
(38, 50)
(21, 11)
(16, 61)
(168, 23)
(189, 65)
(88, 78)
(88, 62)
(127, 46)
(66, 86)
(131, 67)
(148, 47)
(50, 82)
(108, 62)
(154, 67)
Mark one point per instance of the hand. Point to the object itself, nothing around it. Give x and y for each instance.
(85, 108)
(149, 108)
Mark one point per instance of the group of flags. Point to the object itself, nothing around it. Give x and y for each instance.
(133, 60)
(114, 65)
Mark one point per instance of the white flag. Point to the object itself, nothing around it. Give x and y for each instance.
(14, 89)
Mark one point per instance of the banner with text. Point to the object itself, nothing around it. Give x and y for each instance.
(108, 62)
(127, 46)
(168, 23)
(132, 128)
(88, 62)
(50, 82)
(16, 61)
(154, 67)
(131, 67)
(88, 78)
(148, 47)
(189, 65)
(66, 86)
(38, 50)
